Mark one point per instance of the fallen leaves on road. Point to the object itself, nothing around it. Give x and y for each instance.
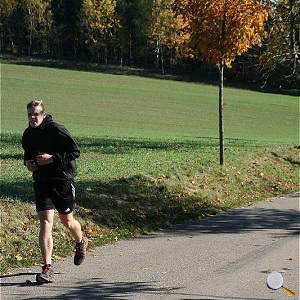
(266, 271)
(284, 270)
(289, 292)
(147, 268)
(56, 257)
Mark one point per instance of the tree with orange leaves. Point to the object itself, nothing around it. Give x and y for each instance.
(220, 30)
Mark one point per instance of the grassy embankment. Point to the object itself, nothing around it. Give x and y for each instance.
(149, 153)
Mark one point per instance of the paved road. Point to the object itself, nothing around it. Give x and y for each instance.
(223, 257)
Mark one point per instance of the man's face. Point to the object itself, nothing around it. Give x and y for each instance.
(35, 116)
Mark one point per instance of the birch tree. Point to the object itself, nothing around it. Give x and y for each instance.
(164, 31)
(98, 24)
(282, 45)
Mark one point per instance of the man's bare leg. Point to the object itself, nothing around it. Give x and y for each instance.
(73, 225)
(81, 240)
(45, 236)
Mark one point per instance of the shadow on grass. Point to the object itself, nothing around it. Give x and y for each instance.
(113, 145)
(129, 202)
(17, 156)
(142, 201)
(21, 190)
(138, 202)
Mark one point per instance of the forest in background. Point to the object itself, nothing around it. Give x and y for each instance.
(147, 34)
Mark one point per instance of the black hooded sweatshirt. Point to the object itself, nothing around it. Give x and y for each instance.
(51, 138)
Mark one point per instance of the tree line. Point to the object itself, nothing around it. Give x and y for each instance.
(146, 33)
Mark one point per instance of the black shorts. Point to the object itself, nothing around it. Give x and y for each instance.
(59, 195)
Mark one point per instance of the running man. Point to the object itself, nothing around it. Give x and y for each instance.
(50, 153)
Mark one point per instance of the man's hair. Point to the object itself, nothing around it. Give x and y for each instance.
(35, 103)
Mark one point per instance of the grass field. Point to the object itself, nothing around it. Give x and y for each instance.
(149, 153)
(95, 104)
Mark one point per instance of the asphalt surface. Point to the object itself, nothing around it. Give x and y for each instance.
(228, 256)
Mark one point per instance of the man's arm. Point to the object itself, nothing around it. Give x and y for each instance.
(69, 149)
(30, 163)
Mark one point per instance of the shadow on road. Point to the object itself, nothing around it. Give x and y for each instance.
(17, 274)
(98, 289)
(287, 221)
(243, 220)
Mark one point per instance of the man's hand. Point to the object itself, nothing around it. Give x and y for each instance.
(31, 165)
(44, 159)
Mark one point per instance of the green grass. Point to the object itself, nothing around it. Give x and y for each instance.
(130, 106)
(149, 154)
(131, 186)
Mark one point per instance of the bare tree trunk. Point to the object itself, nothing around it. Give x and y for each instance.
(292, 35)
(221, 110)
(98, 55)
(115, 59)
(221, 91)
(130, 50)
(292, 27)
(1, 42)
(171, 60)
(30, 31)
(157, 52)
(105, 55)
(12, 45)
(121, 57)
(162, 60)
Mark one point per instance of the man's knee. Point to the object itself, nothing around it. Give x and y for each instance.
(67, 221)
(46, 218)
(45, 223)
(68, 224)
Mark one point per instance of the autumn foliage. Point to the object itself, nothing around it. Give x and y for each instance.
(98, 22)
(165, 26)
(159, 33)
(283, 42)
(221, 29)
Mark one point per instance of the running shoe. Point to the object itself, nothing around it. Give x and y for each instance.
(80, 252)
(46, 276)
